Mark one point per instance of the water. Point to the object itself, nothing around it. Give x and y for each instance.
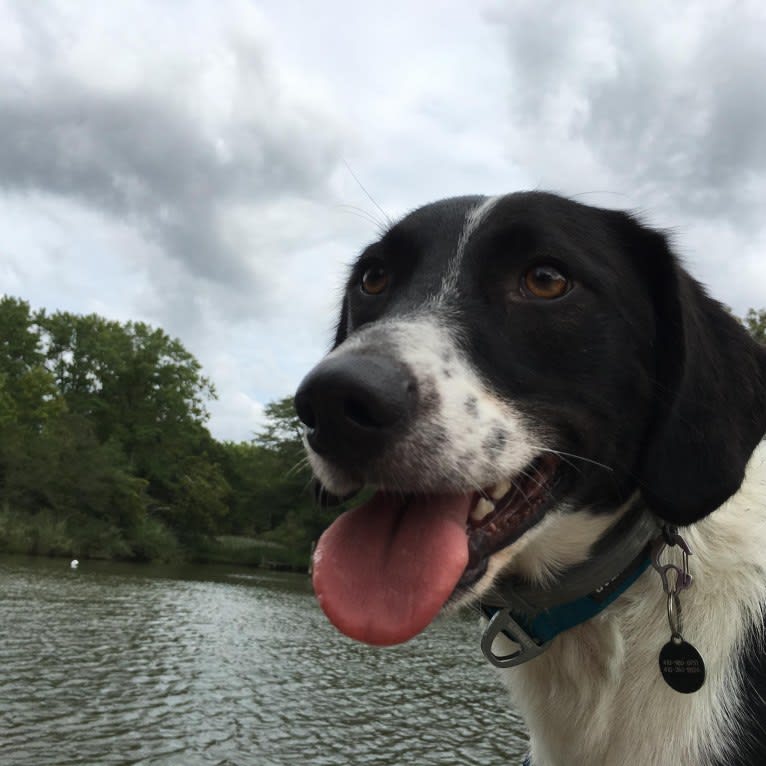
(131, 664)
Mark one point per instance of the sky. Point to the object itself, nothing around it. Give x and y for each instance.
(213, 167)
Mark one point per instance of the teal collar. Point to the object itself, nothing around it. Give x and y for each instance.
(532, 617)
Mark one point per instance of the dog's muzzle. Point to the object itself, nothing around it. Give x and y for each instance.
(355, 405)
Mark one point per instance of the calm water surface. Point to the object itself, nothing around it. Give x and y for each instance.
(132, 664)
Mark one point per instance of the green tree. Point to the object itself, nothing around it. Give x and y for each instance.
(201, 499)
(19, 339)
(248, 469)
(285, 466)
(104, 449)
(755, 323)
(28, 392)
(140, 389)
(286, 480)
(283, 429)
(135, 381)
(101, 421)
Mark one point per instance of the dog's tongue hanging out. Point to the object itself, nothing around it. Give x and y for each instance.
(382, 571)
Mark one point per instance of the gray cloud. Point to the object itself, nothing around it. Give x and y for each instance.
(171, 159)
(181, 162)
(663, 103)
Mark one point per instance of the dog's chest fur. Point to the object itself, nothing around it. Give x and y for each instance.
(596, 696)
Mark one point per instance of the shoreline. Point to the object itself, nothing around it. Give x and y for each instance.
(43, 536)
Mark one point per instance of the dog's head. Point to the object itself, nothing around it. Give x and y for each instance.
(507, 373)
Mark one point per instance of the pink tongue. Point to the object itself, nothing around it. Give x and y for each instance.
(382, 571)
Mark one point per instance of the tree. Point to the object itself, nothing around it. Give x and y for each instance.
(755, 323)
(19, 340)
(282, 438)
(134, 380)
(250, 470)
(138, 387)
(104, 449)
(283, 429)
(28, 392)
(201, 499)
(101, 421)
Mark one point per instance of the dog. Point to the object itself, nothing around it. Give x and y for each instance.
(551, 411)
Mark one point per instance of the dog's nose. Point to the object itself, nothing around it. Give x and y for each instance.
(354, 404)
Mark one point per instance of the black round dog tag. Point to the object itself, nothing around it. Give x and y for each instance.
(682, 666)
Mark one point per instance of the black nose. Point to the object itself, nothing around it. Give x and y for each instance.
(354, 405)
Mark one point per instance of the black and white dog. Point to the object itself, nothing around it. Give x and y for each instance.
(545, 402)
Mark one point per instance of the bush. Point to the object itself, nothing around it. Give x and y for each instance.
(41, 534)
(151, 540)
(249, 551)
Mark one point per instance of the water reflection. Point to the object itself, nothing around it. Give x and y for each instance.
(129, 664)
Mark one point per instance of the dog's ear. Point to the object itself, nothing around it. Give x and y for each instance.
(710, 390)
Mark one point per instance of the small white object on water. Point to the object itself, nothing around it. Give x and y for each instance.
(75, 563)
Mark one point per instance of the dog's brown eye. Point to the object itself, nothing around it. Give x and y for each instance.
(374, 280)
(544, 281)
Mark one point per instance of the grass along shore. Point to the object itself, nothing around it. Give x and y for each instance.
(44, 534)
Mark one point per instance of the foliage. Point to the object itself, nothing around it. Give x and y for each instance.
(101, 437)
(755, 323)
(104, 450)
(250, 552)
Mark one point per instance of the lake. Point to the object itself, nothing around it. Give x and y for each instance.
(141, 664)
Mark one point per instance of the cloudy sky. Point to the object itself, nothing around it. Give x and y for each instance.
(194, 164)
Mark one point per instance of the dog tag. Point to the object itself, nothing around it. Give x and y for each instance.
(682, 666)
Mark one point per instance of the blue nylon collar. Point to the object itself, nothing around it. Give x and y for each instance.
(531, 616)
(546, 625)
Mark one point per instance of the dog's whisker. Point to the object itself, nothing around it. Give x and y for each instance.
(468, 480)
(563, 454)
(536, 471)
(361, 213)
(302, 463)
(541, 484)
(307, 485)
(320, 494)
(387, 221)
(520, 490)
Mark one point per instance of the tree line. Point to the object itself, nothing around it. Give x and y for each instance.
(105, 452)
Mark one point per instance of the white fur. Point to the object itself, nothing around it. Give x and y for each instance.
(562, 539)
(473, 220)
(445, 449)
(596, 697)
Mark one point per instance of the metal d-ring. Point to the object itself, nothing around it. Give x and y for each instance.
(674, 615)
(502, 622)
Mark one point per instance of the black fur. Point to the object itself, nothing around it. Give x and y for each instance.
(710, 395)
(635, 368)
(637, 350)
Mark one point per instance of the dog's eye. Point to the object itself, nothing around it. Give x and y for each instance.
(375, 279)
(544, 281)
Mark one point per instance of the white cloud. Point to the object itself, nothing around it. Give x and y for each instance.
(161, 130)
(182, 163)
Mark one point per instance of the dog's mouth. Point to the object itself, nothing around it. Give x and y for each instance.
(383, 570)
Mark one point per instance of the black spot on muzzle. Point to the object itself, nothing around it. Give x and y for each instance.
(355, 405)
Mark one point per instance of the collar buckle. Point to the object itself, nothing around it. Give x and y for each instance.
(532, 615)
(503, 622)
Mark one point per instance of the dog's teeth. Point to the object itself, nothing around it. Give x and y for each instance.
(483, 507)
(500, 490)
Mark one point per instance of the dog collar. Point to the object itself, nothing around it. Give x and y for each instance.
(532, 616)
